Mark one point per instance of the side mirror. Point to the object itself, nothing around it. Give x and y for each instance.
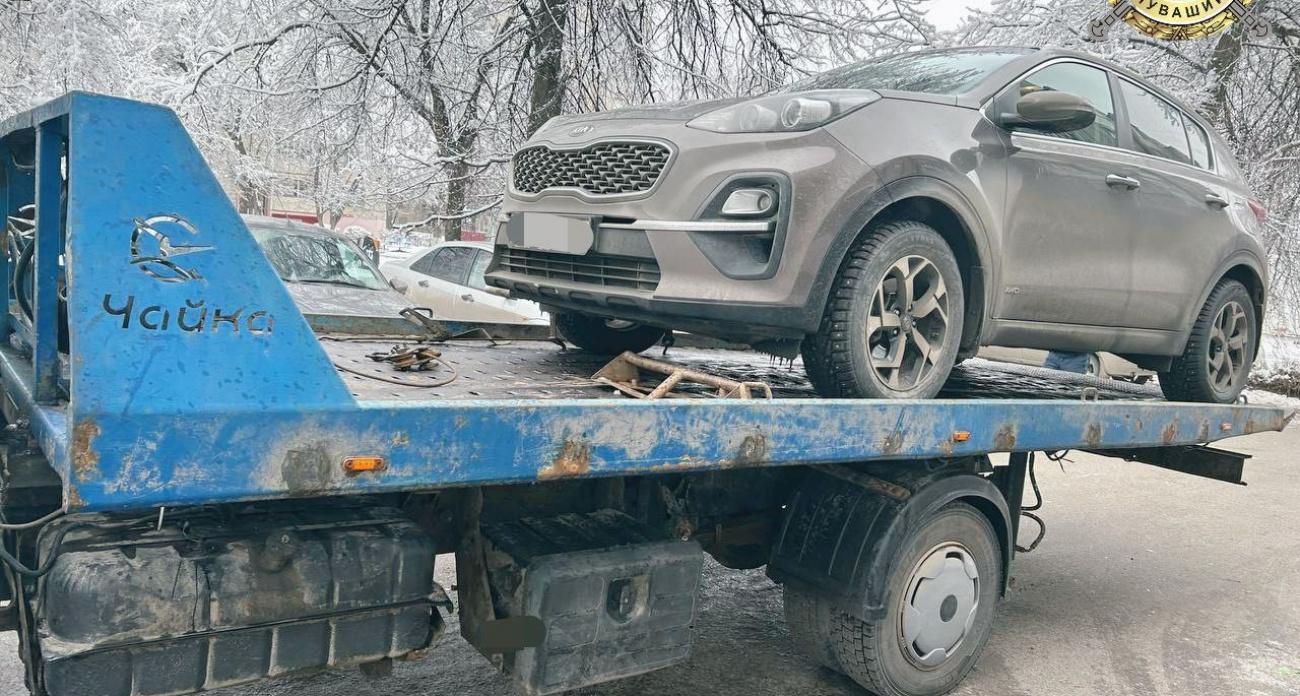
(1051, 111)
(399, 285)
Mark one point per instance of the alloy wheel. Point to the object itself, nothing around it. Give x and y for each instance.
(939, 606)
(907, 323)
(1226, 357)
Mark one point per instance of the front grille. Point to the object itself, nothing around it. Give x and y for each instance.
(590, 269)
(603, 169)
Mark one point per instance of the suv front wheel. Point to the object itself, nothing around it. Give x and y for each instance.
(605, 336)
(893, 322)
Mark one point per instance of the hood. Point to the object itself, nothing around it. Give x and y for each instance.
(672, 111)
(342, 300)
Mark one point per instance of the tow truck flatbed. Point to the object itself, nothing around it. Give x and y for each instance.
(154, 363)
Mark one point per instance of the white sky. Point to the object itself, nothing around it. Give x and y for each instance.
(947, 14)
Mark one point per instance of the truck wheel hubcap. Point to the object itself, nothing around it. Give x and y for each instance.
(1227, 350)
(939, 605)
(907, 323)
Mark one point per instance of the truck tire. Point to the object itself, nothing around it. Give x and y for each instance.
(605, 336)
(892, 325)
(809, 619)
(937, 616)
(1216, 362)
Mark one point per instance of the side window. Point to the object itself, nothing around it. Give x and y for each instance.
(1082, 80)
(1157, 125)
(451, 263)
(478, 268)
(425, 264)
(1200, 142)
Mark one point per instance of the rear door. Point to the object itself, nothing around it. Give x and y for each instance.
(1069, 216)
(438, 278)
(1186, 226)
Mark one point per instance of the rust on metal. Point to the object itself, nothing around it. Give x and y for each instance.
(1005, 438)
(1170, 433)
(1204, 434)
(574, 460)
(1092, 435)
(867, 481)
(1252, 426)
(85, 460)
(752, 451)
(624, 374)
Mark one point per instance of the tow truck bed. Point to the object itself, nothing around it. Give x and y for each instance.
(526, 370)
(154, 364)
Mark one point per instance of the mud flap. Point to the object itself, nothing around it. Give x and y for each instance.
(844, 525)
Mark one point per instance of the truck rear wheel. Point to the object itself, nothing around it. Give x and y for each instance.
(809, 618)
(605, 336)
(942, 592)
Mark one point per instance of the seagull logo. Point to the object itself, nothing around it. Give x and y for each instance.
(153, 250)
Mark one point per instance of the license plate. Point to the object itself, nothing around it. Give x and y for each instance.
(567, 234)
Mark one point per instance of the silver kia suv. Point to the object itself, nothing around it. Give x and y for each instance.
(887, 218)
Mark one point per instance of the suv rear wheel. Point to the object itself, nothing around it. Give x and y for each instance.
(1216, 362)
(605, 336)
(892, 325)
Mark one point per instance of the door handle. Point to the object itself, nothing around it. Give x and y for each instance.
(1127, 182)
(467, 297)
(1214, 200)
(423, 283)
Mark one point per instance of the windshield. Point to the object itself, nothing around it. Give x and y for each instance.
(931, 72)
(313, 258)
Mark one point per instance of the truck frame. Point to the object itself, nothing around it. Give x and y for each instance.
(202, 487)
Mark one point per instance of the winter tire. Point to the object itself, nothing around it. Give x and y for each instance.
(893, 322)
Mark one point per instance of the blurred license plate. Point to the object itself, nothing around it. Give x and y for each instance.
(567, 234)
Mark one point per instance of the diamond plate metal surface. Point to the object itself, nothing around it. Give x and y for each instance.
(602, 169)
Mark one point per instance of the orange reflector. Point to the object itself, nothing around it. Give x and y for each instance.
(357, 465)
(960, 435)
(1225, 427)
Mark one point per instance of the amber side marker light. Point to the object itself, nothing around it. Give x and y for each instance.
(359, 465)
(960, 435)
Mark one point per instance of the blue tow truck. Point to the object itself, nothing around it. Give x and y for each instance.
(202, 487)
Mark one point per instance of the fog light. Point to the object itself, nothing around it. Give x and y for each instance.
(749, 203)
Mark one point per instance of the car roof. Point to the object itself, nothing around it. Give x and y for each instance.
(264, 222)
(475, 245)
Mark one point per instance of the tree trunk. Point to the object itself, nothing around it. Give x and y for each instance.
(454, 200)
(547, 97)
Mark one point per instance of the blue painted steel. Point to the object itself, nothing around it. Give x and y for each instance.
(49, 246)
(174, 401)
(150, 460)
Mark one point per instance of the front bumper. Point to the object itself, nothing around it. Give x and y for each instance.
(669, 258)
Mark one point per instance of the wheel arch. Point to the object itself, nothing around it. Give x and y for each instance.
(942, 206)
(838, 503)
(1247, 269)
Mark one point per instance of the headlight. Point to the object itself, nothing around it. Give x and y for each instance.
(785, 112)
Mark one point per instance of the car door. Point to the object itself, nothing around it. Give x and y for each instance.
(438, 280)
(1186, 227)
(1068, 215)
(488, 306)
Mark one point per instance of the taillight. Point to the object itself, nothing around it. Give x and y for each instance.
(1261, 213)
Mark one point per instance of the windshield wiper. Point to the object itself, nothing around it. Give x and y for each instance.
(319, 281)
